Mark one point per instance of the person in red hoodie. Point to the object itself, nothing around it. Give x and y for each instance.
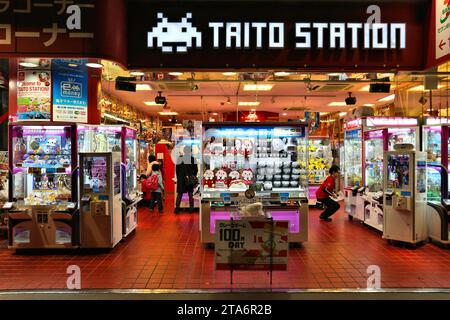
(147, 194)
(325, 193)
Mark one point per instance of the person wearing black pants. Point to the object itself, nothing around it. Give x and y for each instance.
(326, 191)
(186, 167)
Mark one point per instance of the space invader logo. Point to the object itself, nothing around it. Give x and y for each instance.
(174, 36)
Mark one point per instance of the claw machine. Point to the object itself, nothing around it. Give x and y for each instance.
(42, 208)
(405, 195)
(100, 199)
(382, 134)
(188, 136)
(264, 163)
(117, 138)
(353, 175)
(436, 144)
(320, 160)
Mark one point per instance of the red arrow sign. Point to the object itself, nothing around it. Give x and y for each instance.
(442, 44)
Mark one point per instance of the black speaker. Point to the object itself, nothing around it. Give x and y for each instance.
(380, 87)
(125, 84)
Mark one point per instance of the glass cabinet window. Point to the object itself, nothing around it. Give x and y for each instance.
(373, 155)
(353, 162)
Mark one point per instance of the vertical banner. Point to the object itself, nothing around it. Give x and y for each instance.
(313, 120)
(442, 28)
(34, 89)
(70, 86)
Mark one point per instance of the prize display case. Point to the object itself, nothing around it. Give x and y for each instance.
(117, 138)
(320, 160)
(42, 207)
(189, 137)
(264, 161)
(100, 199)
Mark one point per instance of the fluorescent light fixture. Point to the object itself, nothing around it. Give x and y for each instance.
(151, 103)
(94, 65)
(28, 64)
(215, 114)
(335, 74)
(422, 88)
(369, 104)
(282, 74)
(168, 113)
(365, 88)
(143, 87)
(248, 103)
(178, 124)
(137, 73)
(337, 104)
(342, 114)
(284, 114)
(258, 87)
(387, 98)
(229, 74)
(176, 74)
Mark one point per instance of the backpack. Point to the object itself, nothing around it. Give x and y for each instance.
(152, 183)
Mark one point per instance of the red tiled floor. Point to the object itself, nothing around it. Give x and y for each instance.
(166, 253)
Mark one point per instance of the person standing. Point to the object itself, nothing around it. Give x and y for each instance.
(156, 185)
(151, 161)
(325, 193)
(186, 173)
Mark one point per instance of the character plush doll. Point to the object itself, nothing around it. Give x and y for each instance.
(208, 178)
(247, 176)
(221, 176)
(279, 145)
(233, 176)
(247, 148)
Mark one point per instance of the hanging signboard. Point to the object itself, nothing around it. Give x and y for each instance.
(274, 34)
(34, 90)
(442, 28)
(70, 86)
(257, 244)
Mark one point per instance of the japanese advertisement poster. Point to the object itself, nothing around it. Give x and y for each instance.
(251, 244)
(34, 90)
(70, 82)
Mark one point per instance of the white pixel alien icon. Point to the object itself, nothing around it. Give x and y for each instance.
(174, 35)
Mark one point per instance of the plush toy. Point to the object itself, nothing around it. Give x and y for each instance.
(247, 148)
(208, 178)
(44, 182)
(233, 176)
(247, 176)
(221, 176)
(279, 145)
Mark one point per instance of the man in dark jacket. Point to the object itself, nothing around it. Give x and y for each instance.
(186, 167)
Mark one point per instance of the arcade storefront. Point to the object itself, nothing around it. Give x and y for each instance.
(265, 97)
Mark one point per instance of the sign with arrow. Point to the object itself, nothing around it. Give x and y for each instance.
(442, 28)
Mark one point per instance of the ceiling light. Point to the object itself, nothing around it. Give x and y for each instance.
(284, 114)
(422, 88)
(387, 98)
(248, 103)
(94, 65)
(176, 74)
(137, 73)
(28, 64)
(178, 124)
(168, 113)
(151, 103)
(337, 104)
(365, 88)
(258, 87)
(342, 114)
(215, 114)
(369, 104)
(282, 74)
(229, 74)
(143, 87)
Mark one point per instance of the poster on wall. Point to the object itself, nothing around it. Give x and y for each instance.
(257, 244)
(70, 82)
(442, 28)
(34, 90)
(313, 121)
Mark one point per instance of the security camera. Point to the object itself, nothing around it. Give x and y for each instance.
(423, 100)
(159, 99)
(194, 87)
(350, 100)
